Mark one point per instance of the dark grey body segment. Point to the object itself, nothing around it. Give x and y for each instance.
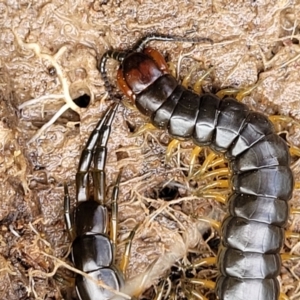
(260, 209)
(257, 126)
(87, 289)
(269, 151)
(165, 86)
(207, 120)
(182, 122)
(251, 236)
(95, 249)
(231, 118)
(237, 263)
(161, 116)
(233, 288)
(269, 182)
(97, 220)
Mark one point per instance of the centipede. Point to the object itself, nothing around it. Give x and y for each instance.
(252, 232)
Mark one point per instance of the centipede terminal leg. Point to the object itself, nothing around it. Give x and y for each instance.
(69, 220)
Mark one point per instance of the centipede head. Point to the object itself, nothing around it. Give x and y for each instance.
(139, 70)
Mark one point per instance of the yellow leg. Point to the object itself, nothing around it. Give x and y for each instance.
(284, 119)
(187, 78)
(218, 162)
(280, 123)
(215, 195)
(290, 234)
(195, 153)
(215, 224)
(198, 85)
(295, 211)
(114, 215)
(195, 294)
(294, 151)
(297, 185)
(226, 92)
(287, 256)
(240, 93)
(172, 69)
(216, 173)
(204, 261)
(245, 92)
(143, 129)
(128, 104)
(173, 144)
(213, 185)
(69, 220)
(208, 160)
(211, 161)
(209, 191)
(283, 297)
(126, 255)
(206, 283)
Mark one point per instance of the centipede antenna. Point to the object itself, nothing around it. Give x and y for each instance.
(110, 54)
(140, 45)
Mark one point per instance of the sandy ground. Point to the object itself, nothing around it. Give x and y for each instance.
(48, 54)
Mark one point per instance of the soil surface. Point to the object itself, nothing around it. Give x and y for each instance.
(48, 58)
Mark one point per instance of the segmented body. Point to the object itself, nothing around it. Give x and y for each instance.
(92, 249)
(262, 182)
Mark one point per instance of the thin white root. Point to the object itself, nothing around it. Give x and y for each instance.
(49, 123)
(62, 78)
(39, 99)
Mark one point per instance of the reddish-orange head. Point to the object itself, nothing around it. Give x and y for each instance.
(139, 70)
